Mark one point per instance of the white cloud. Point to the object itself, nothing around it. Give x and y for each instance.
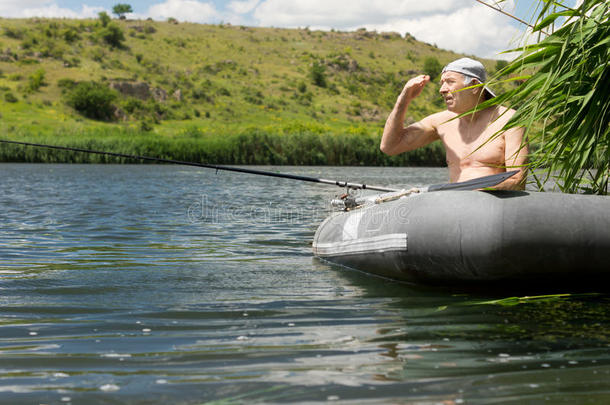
(44, 8)
(184, 10)
(458, 25)
(15, 4)
(344, 13)
(470, 30)
(243, 7)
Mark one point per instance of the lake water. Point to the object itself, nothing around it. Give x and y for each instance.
(145, 284)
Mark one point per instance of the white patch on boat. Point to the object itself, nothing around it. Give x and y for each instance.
(380, 243)
(350, 227)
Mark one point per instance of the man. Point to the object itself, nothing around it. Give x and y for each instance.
(474, 145)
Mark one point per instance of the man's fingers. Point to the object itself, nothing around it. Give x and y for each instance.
(421, 80)
(415, 86)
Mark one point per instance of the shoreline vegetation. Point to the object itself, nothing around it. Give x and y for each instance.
(252, 146)
(217, 94)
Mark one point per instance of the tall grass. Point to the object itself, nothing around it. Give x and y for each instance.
(565, 103)
(251, 146)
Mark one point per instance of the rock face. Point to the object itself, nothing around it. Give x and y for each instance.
(158, 94)
(344, 63)
(7, 56)
(139, 90)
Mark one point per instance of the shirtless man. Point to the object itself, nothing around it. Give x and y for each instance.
(462, 137)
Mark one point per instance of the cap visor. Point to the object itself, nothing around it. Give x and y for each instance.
(488, 93)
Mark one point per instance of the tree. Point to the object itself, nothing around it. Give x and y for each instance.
(563, 100)
(432, 67)
(121, 9)
(104, 18)
(501, 64)
(318, 74)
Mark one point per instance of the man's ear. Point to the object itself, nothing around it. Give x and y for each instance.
(476, 90)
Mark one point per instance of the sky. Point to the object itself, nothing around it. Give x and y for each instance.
(463, 26)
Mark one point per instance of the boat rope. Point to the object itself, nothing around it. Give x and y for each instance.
(207, 165)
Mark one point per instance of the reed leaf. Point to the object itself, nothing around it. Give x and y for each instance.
(564, 102)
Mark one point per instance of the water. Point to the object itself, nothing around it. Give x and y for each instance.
(176, 285)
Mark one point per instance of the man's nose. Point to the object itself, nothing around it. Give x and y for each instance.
(443, 88)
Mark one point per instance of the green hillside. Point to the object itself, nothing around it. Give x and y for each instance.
(228, 94)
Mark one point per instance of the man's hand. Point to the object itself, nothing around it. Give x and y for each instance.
(414, 87)
(396, 138)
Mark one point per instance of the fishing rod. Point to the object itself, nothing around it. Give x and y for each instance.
(209, 166)
(498, 9)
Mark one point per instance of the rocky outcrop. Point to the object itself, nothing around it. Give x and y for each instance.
(140, 90)
(344, 62)
(158, 94)
(7, 56)
(390, 35)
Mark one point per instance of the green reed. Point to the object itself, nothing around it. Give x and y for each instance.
(563, 101)
(250, 146)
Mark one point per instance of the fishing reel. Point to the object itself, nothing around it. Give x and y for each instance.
(347, 201)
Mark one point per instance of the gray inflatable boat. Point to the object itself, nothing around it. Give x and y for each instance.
(475, 237)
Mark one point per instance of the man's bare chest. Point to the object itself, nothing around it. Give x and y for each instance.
(472, 144)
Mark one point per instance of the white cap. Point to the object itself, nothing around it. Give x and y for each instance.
(471, 68)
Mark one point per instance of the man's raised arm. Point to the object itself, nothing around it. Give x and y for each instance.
(396, 138)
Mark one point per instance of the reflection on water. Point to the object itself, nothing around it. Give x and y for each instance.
(159, 284)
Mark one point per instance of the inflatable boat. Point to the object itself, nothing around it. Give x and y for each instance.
(474, 237)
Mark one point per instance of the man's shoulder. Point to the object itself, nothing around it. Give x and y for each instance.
(440, 117)
(505, 111)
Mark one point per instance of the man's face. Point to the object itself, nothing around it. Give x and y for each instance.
(456, 101)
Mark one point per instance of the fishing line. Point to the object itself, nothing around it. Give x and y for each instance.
(498, 9)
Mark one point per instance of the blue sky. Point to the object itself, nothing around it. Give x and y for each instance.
(459, 25)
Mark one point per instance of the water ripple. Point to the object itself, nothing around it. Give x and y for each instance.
(159, 284)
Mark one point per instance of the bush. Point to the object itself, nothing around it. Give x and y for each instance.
(104, 18)
(93, 100)
(71, 62)
(146, 126)
(66, 83)
(70, 35)
(113, 35)
(30, 41)
(501, 64)
(10, 97)
(13, 33)
(36, 80)
(224, 92)
(318, 74)
(432, 67)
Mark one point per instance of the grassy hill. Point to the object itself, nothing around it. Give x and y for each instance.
(221, 93)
